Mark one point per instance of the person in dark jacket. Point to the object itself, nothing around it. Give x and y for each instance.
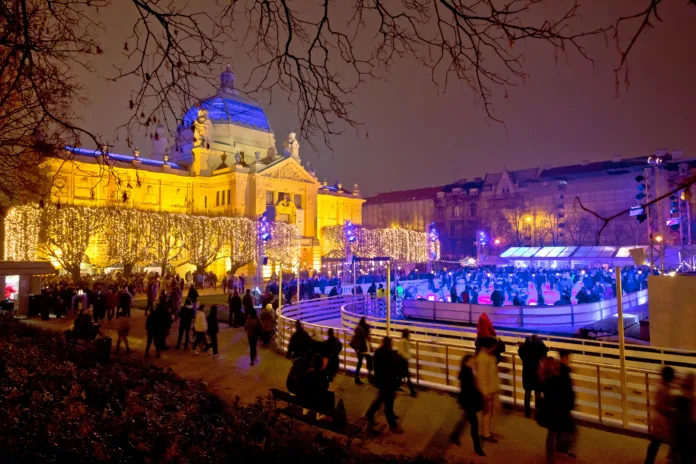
(453, 294)
(389, 370)
(331, 349)
(294, 382)
(685, 426)
(236, 315)
(315, 387)
(474, 296)
(361, 344)
(99, 305)
(300, 342)
(497, 298)
(213, 329)
(248, 303)
(125, 299)
(152, 334)
(186, 316)
(559, 402)
(193, 295)
(252, 327)
(471, 401)
(531, 352)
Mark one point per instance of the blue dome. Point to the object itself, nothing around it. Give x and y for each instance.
(230, 109)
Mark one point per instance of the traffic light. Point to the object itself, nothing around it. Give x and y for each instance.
(641, 187)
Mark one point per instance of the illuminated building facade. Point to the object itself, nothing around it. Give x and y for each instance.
(223, 162)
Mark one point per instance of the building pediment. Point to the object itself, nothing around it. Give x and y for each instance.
(288, 169)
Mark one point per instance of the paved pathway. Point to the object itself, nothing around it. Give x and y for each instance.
(427, 420)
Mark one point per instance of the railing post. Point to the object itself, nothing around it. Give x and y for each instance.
(521, 316)
(572, 314)
(514, 380)
(647, 397)
(599, 396)
(471, 317)
(345, 350)
(417, 363)
(447, 364)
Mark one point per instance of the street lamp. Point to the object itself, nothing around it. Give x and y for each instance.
(528, 219)
(658, 239)
(497, 241)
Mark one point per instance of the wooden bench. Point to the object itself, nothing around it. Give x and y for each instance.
(294, 410)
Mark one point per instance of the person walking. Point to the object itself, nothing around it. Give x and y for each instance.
(361, 343)
(125, 300)
(471, 401)
(486, 370)
(388, 374)
(213, 329)
(331, 348)
(485, 332)
(201, 327)
(685, 426)
(559, 401)
(193, 296)
(663, 415)
(248, 303)
(300, 342)
(236, 315)
(152, 334)
(186, 316)
(123, 331)
(151, 294)
(267, 324)
(403, 347)
(531, 352)
(252, 327)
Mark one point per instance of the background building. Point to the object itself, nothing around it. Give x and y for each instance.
(540, 206)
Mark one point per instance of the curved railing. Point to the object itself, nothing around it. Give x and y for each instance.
(533, 317)
(437, 353)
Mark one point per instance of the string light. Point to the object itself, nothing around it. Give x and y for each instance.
(400, 244)
(22, 233)
(72, 235)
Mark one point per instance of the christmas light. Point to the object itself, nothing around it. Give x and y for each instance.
(400, 244)
(22, 233)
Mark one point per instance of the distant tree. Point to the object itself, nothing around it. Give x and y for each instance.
(130, 237)
(239, 234)
(202, 240)
(66, 233)
(168, 231)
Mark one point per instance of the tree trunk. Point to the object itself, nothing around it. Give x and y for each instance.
(74, 272)
(200, 269)
(163, 268)
(128, 269)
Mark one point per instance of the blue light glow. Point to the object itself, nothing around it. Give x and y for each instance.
(230, 109)
(121, 157)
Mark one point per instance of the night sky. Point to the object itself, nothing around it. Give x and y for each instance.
(421, 136)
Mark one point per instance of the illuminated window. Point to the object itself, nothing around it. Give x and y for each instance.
(457, 211)
(269, 197)
(298, 201)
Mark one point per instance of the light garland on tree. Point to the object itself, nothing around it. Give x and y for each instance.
(284, 245)
(400, 244)
(240, 240)
(22, 225)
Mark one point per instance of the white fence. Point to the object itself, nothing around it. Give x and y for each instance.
(534, 317)
(438, 352)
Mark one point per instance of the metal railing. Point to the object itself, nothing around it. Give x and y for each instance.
(437, 354)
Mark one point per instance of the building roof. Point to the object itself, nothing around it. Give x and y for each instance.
(609, 167)
(464, 185)
(96, 153)
(428, 193)
(228, 107)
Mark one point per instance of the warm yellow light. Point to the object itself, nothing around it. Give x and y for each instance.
(658, 239)
(528, 219)
(497, 241)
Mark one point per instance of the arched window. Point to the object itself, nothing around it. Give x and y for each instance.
(457, 211)
(472, 210)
